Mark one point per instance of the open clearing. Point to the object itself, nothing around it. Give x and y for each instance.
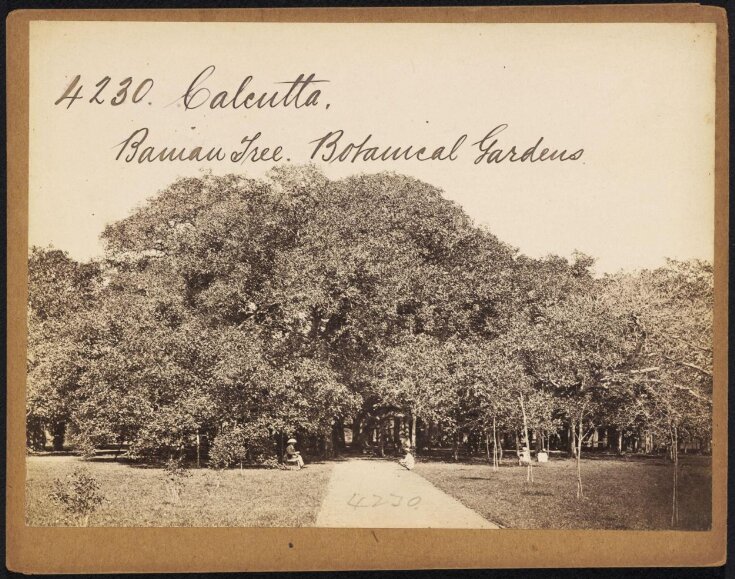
(622, 493)
(137, 496)
(619, 493)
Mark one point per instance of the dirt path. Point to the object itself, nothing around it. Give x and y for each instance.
(383, 494)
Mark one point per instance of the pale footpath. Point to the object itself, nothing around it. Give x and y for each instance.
(382, 494)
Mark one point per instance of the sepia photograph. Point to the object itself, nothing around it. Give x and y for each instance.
(433, 276)
(297, 351)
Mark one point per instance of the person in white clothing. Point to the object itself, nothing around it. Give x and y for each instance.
(408, 461)
(293, 455)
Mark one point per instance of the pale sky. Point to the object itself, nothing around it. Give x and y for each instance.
(639, 98)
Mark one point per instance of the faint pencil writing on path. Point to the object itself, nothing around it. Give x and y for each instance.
(360, 500)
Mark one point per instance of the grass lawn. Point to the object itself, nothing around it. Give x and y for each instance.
(137, 496)
(620, 493)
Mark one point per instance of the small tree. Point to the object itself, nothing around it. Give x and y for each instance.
(230, 447)
(175, 475)
(581, 407)
(673, 308)
(78, 495)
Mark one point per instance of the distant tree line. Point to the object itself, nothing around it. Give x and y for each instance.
(238, 311)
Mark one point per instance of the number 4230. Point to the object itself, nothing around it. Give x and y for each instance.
(73, 92)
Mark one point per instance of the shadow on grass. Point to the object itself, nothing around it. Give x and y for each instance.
(510, 459)
(107, 457)
(535, 492)
(111, 457)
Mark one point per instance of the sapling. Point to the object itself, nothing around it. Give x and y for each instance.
(78, 495)
(175, 474)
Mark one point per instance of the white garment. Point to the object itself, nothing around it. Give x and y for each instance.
(408, 462)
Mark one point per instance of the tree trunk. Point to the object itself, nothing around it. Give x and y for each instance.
(413, 431)
(675, 490)
(539, 441)
(339, 428)
(620, 442)
(422, 435)
(573, 439)
(580, 437)
(59, 434)
(529, 468)
(35, 434)
(336, 442)
(455, 447)
(495, 446)
(199, 463)
(328, 447)
(356, 432)
(381, 438)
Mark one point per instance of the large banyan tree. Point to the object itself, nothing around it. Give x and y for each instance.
(241, 310)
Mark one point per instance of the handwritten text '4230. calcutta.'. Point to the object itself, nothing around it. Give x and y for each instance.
(300, 92)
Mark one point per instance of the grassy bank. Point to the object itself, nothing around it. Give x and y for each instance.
(620, 493)
(136, 496)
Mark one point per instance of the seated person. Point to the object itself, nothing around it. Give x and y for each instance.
(408, 461)
(524, 457)
(292, 454)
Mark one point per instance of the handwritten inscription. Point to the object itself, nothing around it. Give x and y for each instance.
(330, 148)
(127, 88)
(493, 147)
(358, 500)
(135, 149)
(301, 92)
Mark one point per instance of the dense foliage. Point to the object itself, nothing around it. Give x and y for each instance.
(240, 311)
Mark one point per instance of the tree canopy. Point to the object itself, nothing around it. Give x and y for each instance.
(248, 308)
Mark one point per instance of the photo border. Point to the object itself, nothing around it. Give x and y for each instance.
(97, 550)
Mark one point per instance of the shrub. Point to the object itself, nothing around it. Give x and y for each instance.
(261, 451)
(229, 448)
(175, 474)
(84, 447)
(78, 494)
(240, 444)
(270, 462)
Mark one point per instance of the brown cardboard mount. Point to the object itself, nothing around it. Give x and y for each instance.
(99, 550)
